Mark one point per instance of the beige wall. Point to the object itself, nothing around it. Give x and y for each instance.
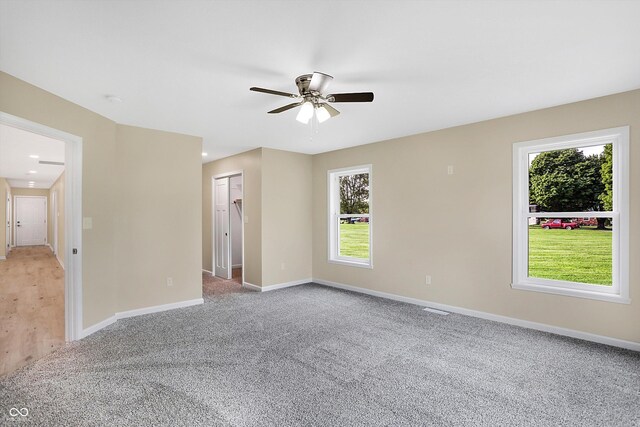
(29, 192)
(286, 216)
(277, 203)
(457, 228)
(250, 163)
(112, 177)
(159, 222)
(4, 192)
(58, 189)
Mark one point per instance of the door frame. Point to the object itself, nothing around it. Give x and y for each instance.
(225, 241)
(8, 228)
(54, 223)
(213, 222)
(73, 219)
(15, 216)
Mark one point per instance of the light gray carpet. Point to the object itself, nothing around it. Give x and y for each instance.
(311, 355)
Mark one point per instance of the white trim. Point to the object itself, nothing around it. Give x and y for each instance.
(583, 293)
(54, 219)
(50, 248)
(236, 265)
(100, 325)
(277, 285)
(2, 257)
(251, 286)
(73, 218)
(207, 271)
(158, 308)
(352, 262)
(333, 227)
(489, 316)
(213, 219)
(228, 174)
(8, 208)
(60, 262)
(618, 292)
(285, 285)
(139, 312)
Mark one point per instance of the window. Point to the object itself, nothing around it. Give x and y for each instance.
(350, 220)
(570, 215)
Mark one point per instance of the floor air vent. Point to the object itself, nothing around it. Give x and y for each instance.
(433, 310)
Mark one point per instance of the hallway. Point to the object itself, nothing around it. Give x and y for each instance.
(31, 306)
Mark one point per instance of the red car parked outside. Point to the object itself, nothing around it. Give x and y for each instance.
(558, 223)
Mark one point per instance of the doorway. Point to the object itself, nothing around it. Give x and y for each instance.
(70, 226)
(228, 227)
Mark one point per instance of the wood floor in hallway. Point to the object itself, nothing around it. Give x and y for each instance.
(31, 306)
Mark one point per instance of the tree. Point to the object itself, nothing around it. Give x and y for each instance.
(566, 180)
(354, 194)
(606, 173)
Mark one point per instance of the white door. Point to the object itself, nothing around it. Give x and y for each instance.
(31, 221)
(221, 227)
(8, 225)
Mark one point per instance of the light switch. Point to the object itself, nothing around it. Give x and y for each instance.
(450, 170)
(246, 219)
(87, 223)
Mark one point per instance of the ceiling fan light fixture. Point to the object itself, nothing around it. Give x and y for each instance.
(305, 114)
(313, 98)
(322, 114)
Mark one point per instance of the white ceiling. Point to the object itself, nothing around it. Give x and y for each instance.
(16, 145)
(186, 66)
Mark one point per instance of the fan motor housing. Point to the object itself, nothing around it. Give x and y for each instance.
(303, 83)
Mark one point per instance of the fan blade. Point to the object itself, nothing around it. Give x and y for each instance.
(285, 108)
(319, 82)
(332, 111)
(273, 92)
(351, 97)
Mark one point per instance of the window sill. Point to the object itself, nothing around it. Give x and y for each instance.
(601, 296)
(368, 265)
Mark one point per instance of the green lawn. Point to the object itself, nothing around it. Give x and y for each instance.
(354, 240)
(580, 255)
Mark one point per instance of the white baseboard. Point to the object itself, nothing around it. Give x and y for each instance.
(277, 285)
(139, 312)
(236, 266)
(2, 257)
(207, 271)
(601, 339)
(96, 327)
(158, 308)
(60, 262)
(252, 286)
(50, 247)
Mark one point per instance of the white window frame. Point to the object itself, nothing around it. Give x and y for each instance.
(333, 193)
(619, 291)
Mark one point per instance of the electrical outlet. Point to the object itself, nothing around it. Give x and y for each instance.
(169, 281)
(246, 219)
(450, 170)
(427, 280)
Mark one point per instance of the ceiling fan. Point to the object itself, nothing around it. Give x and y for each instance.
(313, 99)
